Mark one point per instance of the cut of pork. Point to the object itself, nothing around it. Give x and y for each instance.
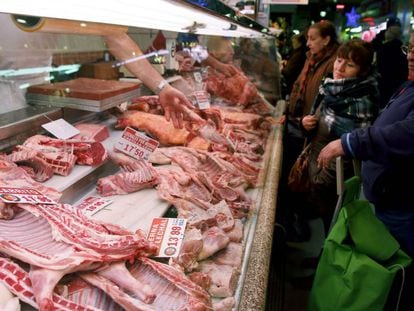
(34, 159)
(155, 125)
(16, 177)
(86, 152)
(56, 241)
(18, 282)
(144, 176)
(175, 291)
(91, 131)
(214, 239)
(224, 278)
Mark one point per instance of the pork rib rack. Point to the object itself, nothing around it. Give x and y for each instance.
(57, 239)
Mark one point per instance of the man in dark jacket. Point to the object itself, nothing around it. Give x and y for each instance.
(391, 64)
(387, 153)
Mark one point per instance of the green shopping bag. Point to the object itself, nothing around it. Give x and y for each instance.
(358, 263)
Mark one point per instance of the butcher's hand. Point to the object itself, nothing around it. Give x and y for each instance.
(330, 151)
(309, 122)
(177, 107)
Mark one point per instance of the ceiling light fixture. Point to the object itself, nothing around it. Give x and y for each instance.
(169, 15)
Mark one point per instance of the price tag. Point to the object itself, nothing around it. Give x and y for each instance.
(23, 195)
(198, 77)
(135, 144)
(92, 205)
(168, 235)
(61, 129)
(202, 99)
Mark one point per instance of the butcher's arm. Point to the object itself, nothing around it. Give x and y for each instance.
(175, 104)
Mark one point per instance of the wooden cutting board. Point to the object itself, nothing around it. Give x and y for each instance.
(85, 88)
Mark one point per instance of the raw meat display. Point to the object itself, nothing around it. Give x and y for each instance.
(26, 157)
(154, 125)
(56, 240)
(236, 88)
(54, 257)
(84, 152)
(18, 282)
(142, 176)
(91, 132)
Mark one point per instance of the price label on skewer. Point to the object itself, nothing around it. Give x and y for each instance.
(135, 144)
(23, 195)
(202, 99)
(91, 205)
(168, 235)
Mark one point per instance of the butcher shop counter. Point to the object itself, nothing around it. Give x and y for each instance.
(136, 210)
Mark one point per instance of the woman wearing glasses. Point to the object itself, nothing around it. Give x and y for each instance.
(387, 153)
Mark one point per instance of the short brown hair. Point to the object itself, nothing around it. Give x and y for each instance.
(360, 52)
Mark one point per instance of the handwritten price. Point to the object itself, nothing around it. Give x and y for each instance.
(133, 150)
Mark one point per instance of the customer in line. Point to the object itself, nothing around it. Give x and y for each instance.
(322, 42)
(387, 152)
(292, 67)
(345, 102)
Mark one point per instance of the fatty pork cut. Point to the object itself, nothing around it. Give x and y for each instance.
(154, 125)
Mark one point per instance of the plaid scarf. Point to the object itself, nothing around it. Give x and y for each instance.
(348, 103)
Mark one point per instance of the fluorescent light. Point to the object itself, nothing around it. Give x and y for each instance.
(153, 14)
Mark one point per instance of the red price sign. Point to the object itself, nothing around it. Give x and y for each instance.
(92, 205)
(23, 195)
(168, 235)
(135, 144)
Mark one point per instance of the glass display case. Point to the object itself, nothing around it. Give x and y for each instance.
(101, 72)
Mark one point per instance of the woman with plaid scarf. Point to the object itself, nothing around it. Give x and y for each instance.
(346, 102)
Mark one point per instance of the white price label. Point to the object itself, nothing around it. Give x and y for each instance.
(23, 195)
(198, 77)
(92, 205)
(202, 99)
(135, 144)
(168, 235)
(61, 129)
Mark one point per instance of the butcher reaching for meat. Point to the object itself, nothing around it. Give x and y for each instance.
(175, 104)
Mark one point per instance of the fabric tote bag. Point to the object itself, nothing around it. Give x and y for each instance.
(358, 263)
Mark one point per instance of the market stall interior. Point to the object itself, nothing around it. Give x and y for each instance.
(104, 203)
